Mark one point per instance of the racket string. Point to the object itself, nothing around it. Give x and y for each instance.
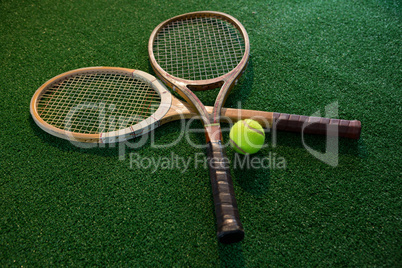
(199, 48)
(97, 102)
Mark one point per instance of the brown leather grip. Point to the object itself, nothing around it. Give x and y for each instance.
(317, 125)
(229, 227)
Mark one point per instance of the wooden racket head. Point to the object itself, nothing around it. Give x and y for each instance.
(199, 51)
(100, 104)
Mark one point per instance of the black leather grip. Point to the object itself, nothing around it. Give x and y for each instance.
(229, 227)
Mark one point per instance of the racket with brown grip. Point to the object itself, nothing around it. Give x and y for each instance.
(78, 105)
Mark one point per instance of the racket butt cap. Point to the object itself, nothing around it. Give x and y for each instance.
(229, 237)
(355, 129)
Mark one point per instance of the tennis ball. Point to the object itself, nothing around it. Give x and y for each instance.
(247, 136)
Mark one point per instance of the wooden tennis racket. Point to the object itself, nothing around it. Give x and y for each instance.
(105, 105)
(108, 104)
(202, 51)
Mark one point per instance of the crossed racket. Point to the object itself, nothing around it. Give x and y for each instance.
(190, 52)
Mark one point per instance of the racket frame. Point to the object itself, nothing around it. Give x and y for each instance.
(130, 132)
(184, 87)
(229, 227)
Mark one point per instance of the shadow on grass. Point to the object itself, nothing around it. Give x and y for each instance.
(106, 150)
(318, 143)
(231, 255)
(252, 178)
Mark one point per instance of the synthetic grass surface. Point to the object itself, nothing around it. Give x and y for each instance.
(61, 205)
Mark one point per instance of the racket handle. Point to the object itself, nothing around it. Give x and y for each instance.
(317, 125)
(229, 227)
(298, 123)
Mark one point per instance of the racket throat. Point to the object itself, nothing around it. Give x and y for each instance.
(203, 87)
(213, 132)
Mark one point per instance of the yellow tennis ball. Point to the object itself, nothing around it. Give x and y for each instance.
(247, 136)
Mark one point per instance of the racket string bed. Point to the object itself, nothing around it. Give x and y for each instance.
(199, 48)
(91, 103)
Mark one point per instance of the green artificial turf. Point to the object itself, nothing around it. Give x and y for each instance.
(61, 205)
